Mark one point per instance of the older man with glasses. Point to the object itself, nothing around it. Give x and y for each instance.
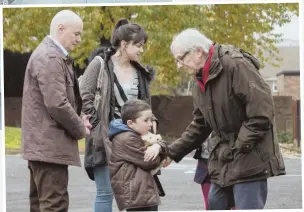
(233, 100)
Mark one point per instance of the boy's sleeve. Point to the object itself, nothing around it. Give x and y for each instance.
(134, 151)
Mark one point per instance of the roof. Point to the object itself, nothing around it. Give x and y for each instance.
(290, 62)
(288, 73)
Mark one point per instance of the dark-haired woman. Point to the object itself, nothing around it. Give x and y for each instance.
(112, 77)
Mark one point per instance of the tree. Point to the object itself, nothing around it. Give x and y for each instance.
(247, 26)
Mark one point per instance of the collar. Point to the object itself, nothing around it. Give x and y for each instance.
(64, 51)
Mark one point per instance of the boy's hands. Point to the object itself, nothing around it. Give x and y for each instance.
(152, 152)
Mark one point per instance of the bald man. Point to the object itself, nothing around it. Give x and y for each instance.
(51, 119)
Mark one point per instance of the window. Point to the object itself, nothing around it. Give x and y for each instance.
(274, 86)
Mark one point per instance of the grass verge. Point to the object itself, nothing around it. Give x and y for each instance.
(13, 140)
(13, 143)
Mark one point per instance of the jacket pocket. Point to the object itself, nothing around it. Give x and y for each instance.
(71, 95)
(132, 189)
(248, 164)
(226, 152)
(264, 156)
(212, 163)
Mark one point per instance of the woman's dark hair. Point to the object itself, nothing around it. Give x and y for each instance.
(126, 31)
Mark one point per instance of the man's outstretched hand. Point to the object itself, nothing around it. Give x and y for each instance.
(167, 162)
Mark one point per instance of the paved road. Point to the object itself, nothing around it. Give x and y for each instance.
(285, 192)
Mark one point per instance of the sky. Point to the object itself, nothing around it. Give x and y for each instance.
(290, 31)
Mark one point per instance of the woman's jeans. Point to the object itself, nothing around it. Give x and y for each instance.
(104, 193)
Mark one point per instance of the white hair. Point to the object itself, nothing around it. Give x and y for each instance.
(190, 39)
(63, 17)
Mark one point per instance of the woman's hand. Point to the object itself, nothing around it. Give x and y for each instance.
(152, 152)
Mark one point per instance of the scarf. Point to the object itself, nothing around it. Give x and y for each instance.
(202, 76)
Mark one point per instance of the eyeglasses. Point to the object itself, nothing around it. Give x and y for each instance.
(181, 59)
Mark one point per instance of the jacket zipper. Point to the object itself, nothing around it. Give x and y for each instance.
(224, 169)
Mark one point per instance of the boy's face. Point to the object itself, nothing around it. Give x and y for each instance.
(143, 123)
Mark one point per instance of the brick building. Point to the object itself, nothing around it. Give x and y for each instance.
(288, 83)
(285, 79)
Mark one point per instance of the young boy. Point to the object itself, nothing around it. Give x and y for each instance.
(133, 185)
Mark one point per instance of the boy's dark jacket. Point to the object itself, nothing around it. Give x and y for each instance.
(132, 183)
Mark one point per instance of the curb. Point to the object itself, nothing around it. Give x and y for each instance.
(290, 149)
(12, 152)
(191, 154)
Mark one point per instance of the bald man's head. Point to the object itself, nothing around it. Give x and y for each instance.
(66, 27)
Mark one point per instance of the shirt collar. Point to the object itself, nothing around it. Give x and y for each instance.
(64, 51)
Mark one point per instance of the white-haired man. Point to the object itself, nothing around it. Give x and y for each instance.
(231, 99)
(51, 122)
